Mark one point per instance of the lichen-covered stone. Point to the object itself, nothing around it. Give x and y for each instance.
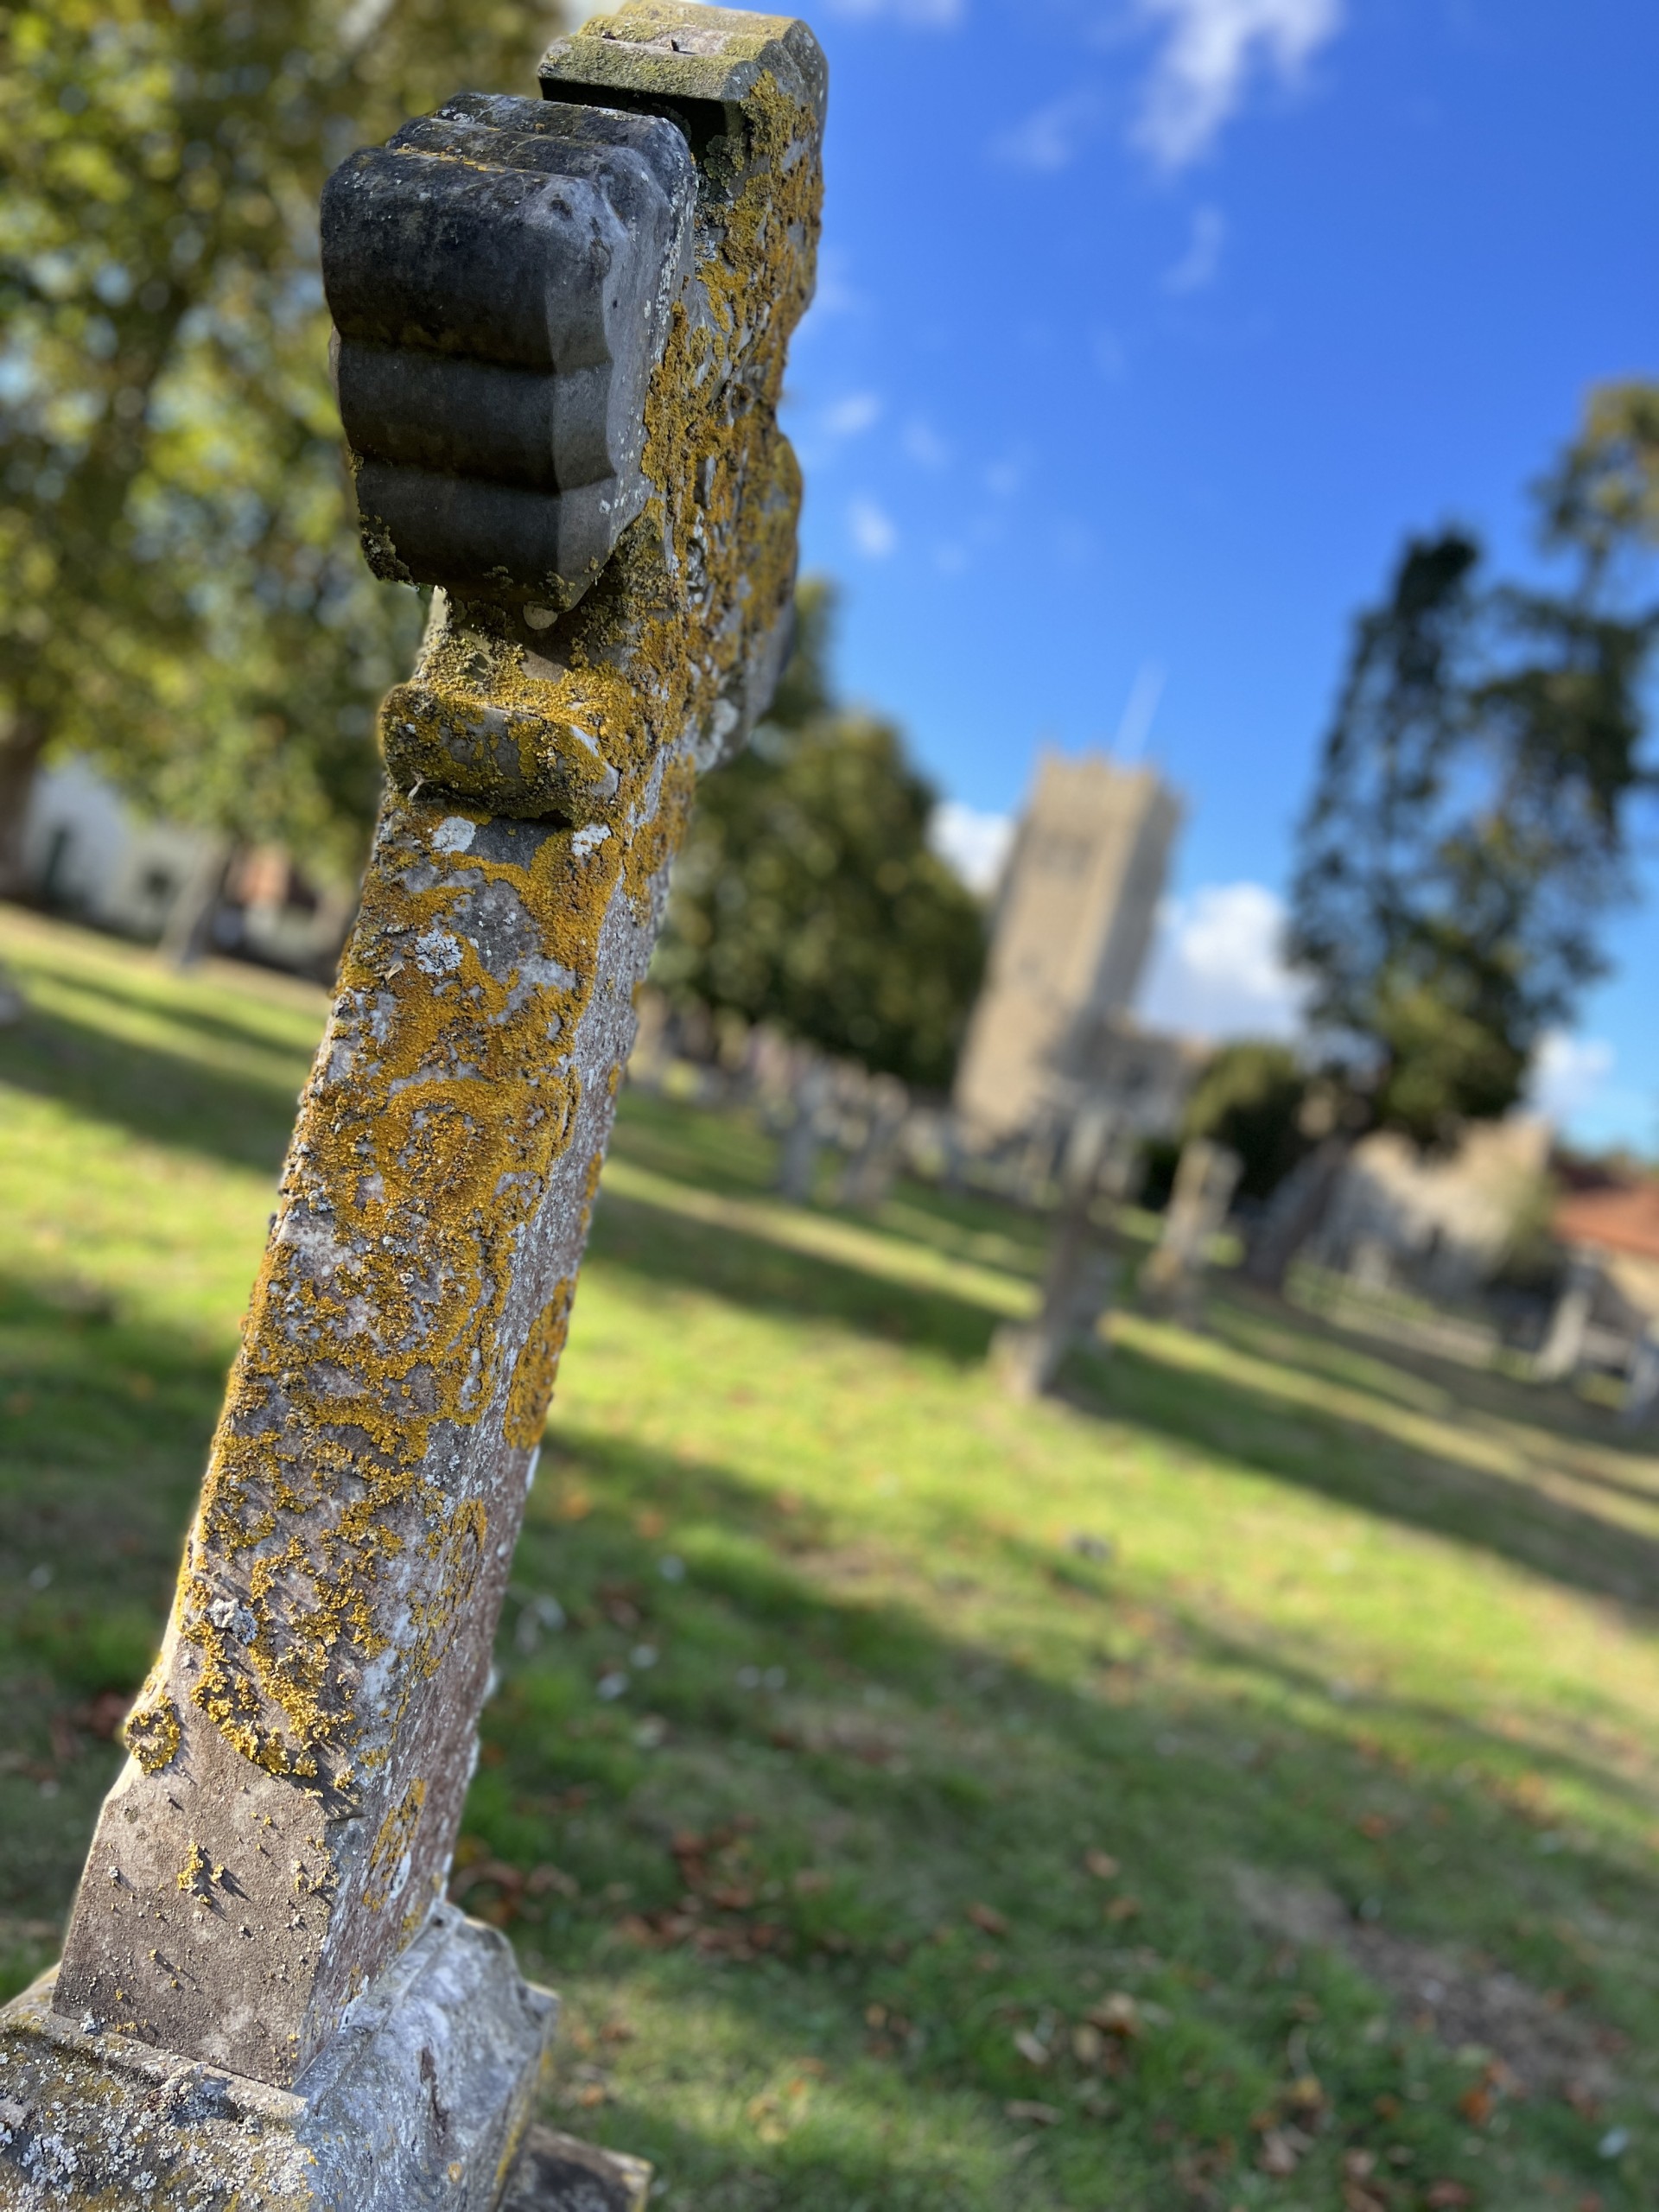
(302, 1748)
(422, 2100)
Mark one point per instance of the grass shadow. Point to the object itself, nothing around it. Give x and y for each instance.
(1313, 1445)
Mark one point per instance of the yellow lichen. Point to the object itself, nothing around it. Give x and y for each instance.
(530, 1392)
(403, 1340)
(387, 1858)
(152, 1733)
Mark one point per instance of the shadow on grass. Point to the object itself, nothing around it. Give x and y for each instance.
(164, 1096)
(749, 1270)
(917, 1776)
(1345, 1458)
(1337, 1453)
(104, 1426)
(849, 2038)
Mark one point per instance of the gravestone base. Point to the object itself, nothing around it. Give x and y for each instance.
(422, 2100)
(557, 2173)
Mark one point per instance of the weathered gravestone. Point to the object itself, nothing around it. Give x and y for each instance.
(561, 331)
(1205, 1179)
(1099, 1163)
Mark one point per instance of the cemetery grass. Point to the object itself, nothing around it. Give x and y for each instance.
(1231, 1782)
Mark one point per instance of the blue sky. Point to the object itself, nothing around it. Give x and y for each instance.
(1147, 329)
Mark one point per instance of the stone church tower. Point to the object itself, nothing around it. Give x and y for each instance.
(1072, 927)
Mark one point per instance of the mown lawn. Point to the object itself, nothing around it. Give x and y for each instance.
(1229, 1784)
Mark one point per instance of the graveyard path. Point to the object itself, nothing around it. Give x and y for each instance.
(1232, 1783)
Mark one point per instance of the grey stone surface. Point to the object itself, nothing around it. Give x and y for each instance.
(421, 2101)
(262, 2005)
(557, 2173)
(500, 275)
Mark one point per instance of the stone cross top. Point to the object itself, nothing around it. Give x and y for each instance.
(561, 332)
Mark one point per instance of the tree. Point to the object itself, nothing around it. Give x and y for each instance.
(180, 594)
(1468, 831)
(1467, 835)
(1252, 1097)
(806, 894)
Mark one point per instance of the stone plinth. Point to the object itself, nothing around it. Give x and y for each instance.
(422, 2100)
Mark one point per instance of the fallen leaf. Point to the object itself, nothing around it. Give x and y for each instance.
(1356, 2197)
(1088, 2044)
(548, 1876)
(809, 1883)
(1034, 2052)
(1446, 2195)
(1123, 1908)
(1375, 1825)
(737, 1898)
(1027, 2108)
(1118, 2014)
(989, 1919)
(1475, 2104)
(1277, 2155)
(1102, 1865)
(1305, 2095)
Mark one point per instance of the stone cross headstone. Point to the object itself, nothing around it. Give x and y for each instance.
(561, 333)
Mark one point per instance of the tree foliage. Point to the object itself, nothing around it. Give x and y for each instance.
(180, 594)
(807, 895)
(1252, 1097)
(1469, 828)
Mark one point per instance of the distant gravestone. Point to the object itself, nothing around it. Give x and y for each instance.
(562, 326)
(1205, 1179)
(1098, 1162)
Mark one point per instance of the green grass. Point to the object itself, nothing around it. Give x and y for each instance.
(1343, 1654)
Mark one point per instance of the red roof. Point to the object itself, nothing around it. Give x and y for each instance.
(1625, 1220)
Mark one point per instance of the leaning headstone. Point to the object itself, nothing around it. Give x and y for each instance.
(1097, 1164)
(803, 1139)
(1205, 1179)
(1562, 1353)
(869, 1175)
(561, 331)
(1642, 1378)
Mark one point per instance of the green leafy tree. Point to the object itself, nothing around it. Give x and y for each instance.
(1252, 1097)
(1469, 830)
(181, 594)
(807, 895)
(1467, 835)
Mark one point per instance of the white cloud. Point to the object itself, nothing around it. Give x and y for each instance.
(1198, 264)
(924, 445)
(873, 529)
(852, 417)
(973, 843)
(1569, 1075)
(1051, 137)
(1217, 967)
(1213, 49)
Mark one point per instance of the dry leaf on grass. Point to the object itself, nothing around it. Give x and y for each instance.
(988, 1919)
(1027, 2108)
